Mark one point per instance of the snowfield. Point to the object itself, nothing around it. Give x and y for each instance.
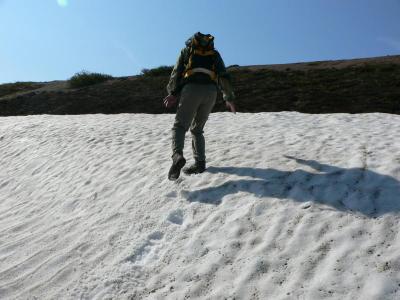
(292, 206)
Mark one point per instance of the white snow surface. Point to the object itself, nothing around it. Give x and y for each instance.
(292, 206)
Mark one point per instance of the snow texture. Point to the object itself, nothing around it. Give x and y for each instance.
(292, 206)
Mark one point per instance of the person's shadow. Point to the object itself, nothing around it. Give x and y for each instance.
(355, 189)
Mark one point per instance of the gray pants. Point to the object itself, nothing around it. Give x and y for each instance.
(195, 105)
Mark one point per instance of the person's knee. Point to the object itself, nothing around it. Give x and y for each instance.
(196, 131)
(179, 127)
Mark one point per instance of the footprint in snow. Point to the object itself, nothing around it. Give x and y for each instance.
(171, 194)
(148, 250)
(176, 217)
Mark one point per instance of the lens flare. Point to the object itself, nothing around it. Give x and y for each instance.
(62, 3)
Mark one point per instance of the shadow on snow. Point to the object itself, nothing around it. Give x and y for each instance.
(355, 189)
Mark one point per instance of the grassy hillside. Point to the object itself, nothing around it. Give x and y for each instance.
(352, 86)
(10, 89)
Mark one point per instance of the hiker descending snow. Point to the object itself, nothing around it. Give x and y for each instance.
(195, 78)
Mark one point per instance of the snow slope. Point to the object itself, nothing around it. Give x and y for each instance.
(293, 206)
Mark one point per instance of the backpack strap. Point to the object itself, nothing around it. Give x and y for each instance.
(190, 72)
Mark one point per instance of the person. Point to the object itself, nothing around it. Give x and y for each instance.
(195, 78)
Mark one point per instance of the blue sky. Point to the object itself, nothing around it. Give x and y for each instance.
(43, 40)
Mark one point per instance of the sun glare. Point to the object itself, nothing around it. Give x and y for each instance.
(62, 3)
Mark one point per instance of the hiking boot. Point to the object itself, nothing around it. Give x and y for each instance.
(197, 168)
(178, 161)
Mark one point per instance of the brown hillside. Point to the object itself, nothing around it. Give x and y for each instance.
(349, 86)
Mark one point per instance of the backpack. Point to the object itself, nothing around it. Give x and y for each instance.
(201, 57)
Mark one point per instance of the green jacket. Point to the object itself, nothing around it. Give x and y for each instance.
(176, 81)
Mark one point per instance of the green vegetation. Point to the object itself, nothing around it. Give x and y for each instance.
(18, 87)
(314, 63)
(160, 71)
(85, 78)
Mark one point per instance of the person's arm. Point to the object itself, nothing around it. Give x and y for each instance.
(175, 81)
(225, 84)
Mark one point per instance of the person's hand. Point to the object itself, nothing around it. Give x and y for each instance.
(170, 101)
(231, 106)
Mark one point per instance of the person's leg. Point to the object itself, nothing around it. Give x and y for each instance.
(209, 95)
(188, 105)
